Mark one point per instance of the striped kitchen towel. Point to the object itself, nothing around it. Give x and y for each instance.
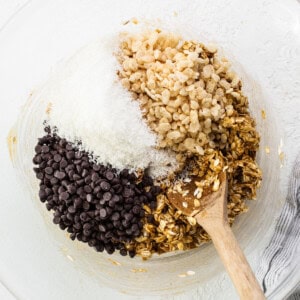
(283, 252)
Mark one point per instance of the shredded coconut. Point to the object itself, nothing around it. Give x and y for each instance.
(88, 104)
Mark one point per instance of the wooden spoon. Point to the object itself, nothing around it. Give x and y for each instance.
(211, 214)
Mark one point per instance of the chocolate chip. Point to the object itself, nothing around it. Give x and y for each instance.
(63, 163)
(38, 149)
(56, 220)
(111, 204)
(123, 252)
(128, 216)
(57, 158)
(85, 165)
(42, 194)
(92, 243)
(128, 207)
(53, 181)
(87, 226)
(96, 190)
(80, 182)
(89, 197)
(109, 248)
(117, 224)
(105, 186)
(94, 203)
(73, 236)
(87, 189)
(131, 253)
(70, 154)
(109, 235)
(69, 147)
(37, 159)
(77, 202)
(109, 175)
(39, 175)
(95, 177)
(116, 198)
(124, 173)
(125, 223)
(128, 192)
(91, 214)
(78, 154)
(86, 206)
(129, 200)
(115, 216)
(48, 170)
(71, 189)
(99, 247)
(107, 196)
(103, 213)
(77, 225)
(84, 173)
(153, 204)
(128, 231)
(59, 175)
(96, 167)
(76, 177)
(83, 216)
(71, 209)
(64, 196)
(102, 228)
(45, 149)
(77, 162)
(134, 227)
(136, 209)
(48, 191)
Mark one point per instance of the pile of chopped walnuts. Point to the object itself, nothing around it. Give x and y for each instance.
(193, 101)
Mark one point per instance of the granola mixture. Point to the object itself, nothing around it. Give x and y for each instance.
(194, 102)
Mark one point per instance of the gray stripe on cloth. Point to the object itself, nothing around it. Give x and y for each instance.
(283, 252)
(295, 296)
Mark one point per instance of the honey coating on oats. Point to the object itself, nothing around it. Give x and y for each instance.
(194, 102)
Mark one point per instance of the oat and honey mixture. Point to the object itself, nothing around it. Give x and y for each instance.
(193, 101)
(194, 106)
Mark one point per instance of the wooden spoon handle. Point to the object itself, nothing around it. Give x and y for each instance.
(234, 261)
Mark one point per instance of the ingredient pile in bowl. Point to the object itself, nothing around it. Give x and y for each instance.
(183, 115)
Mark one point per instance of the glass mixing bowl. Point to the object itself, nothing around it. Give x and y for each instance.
(53, 31)
(166, 273)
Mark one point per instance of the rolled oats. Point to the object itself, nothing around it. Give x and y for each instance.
(194, 103)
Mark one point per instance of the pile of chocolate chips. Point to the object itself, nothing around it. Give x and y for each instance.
(95, 203)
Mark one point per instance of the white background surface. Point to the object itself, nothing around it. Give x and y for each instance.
(287, 110)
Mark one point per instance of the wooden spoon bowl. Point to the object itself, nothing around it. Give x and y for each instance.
(211, 213)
